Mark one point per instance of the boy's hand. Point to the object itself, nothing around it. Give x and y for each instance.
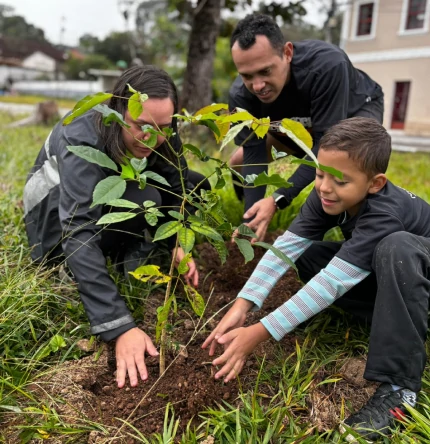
(263, 210)
(130, 355)
(242, 341)
(234, 318)
(192, 276)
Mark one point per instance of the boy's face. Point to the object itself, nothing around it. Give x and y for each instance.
(347, 195)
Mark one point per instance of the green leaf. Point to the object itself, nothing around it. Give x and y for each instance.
(299, 135)
(206, 230)
(192, 218)
(186, 239)
(155, 177)
(220, 183)
(274, 179)
(113, 218)
(244, 230)
(277, 154)
(162, 315)
(183, 265)
(139, 164)
(245, 248)
(110, 115)
(221, 249)
(278, 253)
(233, 132)
(94, 156)
(149, 203)
(211, 108)
(198, 153)
(56, 343)
(152, 219)
(142, 181)
(176, 215)
(108, 189)
(152, 141)
(166, 230)
(261, 127)
(330, 170)
(123, 203)
(211, 125)
(238, 117)
(196, 300)
(127, 171)
(85, 105)
(134, 106)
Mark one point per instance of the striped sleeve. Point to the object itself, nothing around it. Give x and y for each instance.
(329, 284)
(270, 268)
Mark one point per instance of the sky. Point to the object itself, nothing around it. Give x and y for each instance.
(96, 17)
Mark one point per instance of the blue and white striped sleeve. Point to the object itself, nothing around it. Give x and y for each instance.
(329, 284)
(270, 268)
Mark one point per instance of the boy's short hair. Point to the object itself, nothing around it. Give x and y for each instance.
(252, 25)
(365, 140)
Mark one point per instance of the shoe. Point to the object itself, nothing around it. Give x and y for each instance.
(379, 414)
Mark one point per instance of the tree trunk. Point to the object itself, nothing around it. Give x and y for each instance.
(197, 89)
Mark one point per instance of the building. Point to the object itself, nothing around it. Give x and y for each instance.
(390, 40)
(29, 60)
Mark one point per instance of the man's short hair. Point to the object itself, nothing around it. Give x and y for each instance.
(365, 140)
(258, 24)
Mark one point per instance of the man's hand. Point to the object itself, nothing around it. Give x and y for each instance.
(192, 276)
(263, 210)
(242, 341)
(130, 356)
(234, 318)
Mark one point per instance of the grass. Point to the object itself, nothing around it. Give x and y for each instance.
(42, 320)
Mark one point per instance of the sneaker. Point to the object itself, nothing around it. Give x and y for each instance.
(379, 414)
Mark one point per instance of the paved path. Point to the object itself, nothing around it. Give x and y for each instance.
(22, 108)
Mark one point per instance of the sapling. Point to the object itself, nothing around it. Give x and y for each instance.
(198, 214)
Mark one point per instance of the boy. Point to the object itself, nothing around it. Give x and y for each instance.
(380, 273)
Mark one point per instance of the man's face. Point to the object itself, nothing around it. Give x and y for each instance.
(156, 112)
(264, 72)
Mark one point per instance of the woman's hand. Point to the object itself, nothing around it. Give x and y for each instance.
(192, 276)
(234, 318)
(241, 342)
(130, 356)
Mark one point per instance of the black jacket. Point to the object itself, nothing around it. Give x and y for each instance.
(60, 222)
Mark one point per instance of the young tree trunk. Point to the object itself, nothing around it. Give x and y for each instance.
(197, 90)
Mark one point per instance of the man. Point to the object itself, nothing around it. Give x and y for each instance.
(312, 82)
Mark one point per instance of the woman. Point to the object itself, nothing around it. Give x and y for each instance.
(61, 224)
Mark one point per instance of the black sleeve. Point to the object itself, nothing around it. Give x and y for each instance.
(369, 230)
(329, 105)
(312, 222)
(105, 308)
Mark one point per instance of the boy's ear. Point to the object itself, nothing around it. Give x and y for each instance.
(377, 183)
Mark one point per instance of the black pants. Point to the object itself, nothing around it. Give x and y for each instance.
(254, 156)
(123, 236)
(394, 299)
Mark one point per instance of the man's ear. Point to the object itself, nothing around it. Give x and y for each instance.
(377, 183)
(288, 51)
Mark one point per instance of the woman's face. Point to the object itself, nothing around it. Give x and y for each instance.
(156, 112)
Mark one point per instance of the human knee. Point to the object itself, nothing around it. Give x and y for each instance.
(391, 247)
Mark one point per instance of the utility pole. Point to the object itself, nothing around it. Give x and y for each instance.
(125, 9)
(330, 22)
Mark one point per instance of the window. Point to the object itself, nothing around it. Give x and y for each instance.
(365, 17)
(416, 14)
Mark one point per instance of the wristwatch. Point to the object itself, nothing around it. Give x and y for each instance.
(281, 201)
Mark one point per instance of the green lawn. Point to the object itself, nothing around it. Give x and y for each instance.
(41, 321)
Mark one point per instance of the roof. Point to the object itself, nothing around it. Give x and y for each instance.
(21, 49)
